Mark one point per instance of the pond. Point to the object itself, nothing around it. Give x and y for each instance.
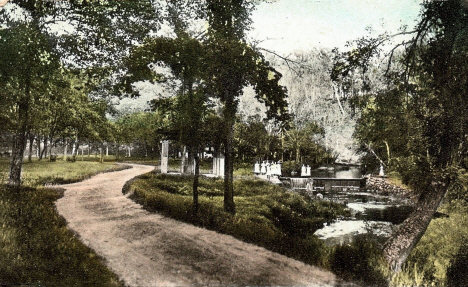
(372, 213)
(338, 172)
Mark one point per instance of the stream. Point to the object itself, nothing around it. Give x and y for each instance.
(372, 214)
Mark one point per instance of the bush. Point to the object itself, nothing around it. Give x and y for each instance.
(267, 215)
(37, 248)
(360, 261)
(289, 166)
(457, 273)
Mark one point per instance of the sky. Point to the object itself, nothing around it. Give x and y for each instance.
(301, 25)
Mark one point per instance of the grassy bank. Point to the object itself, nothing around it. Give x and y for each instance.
(38, 173)
(433, 262)
(35, 245)
(267, 215)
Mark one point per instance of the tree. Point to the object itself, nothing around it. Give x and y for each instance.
(427, 99)
(232, 65)
(27, 63)
(220, 66)
(30, 52)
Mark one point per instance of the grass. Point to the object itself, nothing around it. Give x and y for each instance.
(267, 215)
(433, 256)
(38, 173)
(35, 245)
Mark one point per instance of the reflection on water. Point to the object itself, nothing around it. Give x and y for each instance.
(343, 231)
(371, 213)
(338, 172)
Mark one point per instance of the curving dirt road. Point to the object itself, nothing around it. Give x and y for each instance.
(146, 249)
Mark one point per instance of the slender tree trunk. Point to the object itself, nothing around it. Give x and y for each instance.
(77, 148)
(46, 146)
(195, 184)
(228, 159)
(118, 151)
(41, 149)
(190, 160)
(51, 145)
(73, 148)
(65, 151)
(38, 151)
(337, 92)
(183, 164)
(408, 234)
(31, 144)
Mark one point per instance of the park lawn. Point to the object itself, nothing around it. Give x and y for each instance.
(267, 215)
(36, 246)
(37, 173)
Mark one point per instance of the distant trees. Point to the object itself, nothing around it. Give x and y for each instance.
(315, 99)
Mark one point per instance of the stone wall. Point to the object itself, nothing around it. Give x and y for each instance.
(382, 186)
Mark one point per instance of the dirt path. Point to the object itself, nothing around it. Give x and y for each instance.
(146, 249)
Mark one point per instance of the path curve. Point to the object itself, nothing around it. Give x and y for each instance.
(147, 249)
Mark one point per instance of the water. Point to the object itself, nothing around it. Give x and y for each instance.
(339, 172)
(372, 214)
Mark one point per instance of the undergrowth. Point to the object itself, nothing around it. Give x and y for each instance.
(266, 215)
(37, 248)
(35, 245)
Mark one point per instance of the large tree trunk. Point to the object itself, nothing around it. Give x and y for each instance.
(19, 145)
(408, 234)
(17, 154)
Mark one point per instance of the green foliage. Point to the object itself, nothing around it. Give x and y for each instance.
(266, 215)
(301, 143)
(252, 141)
(289, 166)
(436, 253)
(456, 273)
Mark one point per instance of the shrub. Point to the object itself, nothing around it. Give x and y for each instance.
(267, 215)
(360, 261)
(458, 270)
(37, 248)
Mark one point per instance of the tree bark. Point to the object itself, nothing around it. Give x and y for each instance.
(44, 150)
(407, 235)
(31, 144)
(65, 151)
(229, 164)
(19, 145)
(195, 184)
(184, 161)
